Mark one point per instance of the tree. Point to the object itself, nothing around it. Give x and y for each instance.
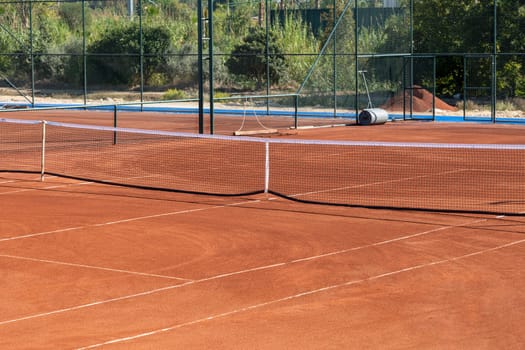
(249, 58)
(117, 54)
(511, 21)
(465, 26)
(448, 28)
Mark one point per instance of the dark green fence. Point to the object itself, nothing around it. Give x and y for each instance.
(467, 54)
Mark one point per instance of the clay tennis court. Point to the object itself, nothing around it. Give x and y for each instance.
(89, 265)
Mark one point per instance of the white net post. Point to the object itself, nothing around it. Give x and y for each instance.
(43, 151)
(267, 167)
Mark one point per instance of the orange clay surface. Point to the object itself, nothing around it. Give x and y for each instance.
(85, 265)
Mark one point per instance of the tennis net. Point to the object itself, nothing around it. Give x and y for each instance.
(473, 178)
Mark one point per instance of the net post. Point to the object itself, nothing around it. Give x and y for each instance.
(43, 152)
(295, 114)
(267, 167)
(115, 124)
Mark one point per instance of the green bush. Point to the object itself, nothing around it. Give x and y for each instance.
(116, 56)
(248, 59)
(182, 67)
(5, 46)
(511, 80)
(174, 94)
(221, 94)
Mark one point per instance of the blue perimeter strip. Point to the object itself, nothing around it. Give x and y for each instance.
(459, 119)
(310, 114)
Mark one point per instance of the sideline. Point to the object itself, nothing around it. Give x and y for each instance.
(225, 275)
(300, 295)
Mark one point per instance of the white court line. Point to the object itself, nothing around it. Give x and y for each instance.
(83, 306)
(169, 287)
(48, 187)
(225, 275)
(379, 183)
(68, 184)
(390, 240)
(8, 182)
(18, 180)
(93, 267)
(300, 295)
(31, 235)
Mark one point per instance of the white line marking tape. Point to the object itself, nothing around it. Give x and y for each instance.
(7, 181)
(124, 221)
(299, 295)
(92, 267)
(47, 187)
(377, 183)
(83, 306)
(223, 276)
(390, 240)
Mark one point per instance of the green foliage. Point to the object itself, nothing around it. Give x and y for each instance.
(174, 94)
(505, 105)
(511, 79)
(123, 43)
(397, 35)
(248, 59)
(230, 25)
(182, 68)
(443, 30)
(5, 46)
(48, 27)
(511, 22)
(335, 67)
(446, 85)
(74, 67)
(465, 26)
(55, 30)
(71, 14)
(295, 37)
(221, 94)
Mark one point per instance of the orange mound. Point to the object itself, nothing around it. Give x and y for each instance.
(421, 102)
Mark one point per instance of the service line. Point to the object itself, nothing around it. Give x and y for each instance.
(234, 273)
(300, 295)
